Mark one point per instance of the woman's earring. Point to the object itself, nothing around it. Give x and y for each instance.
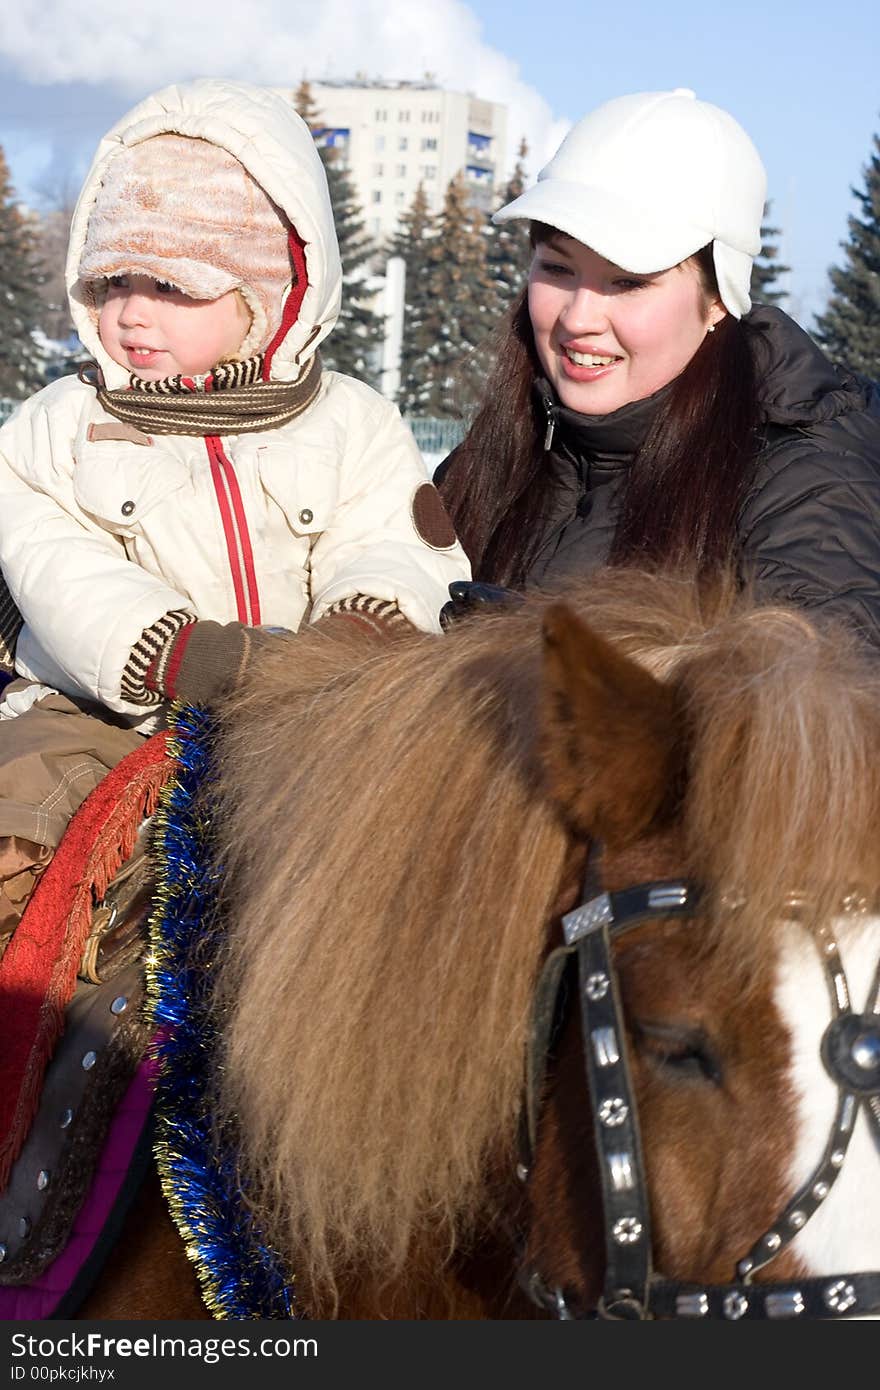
(711, 328)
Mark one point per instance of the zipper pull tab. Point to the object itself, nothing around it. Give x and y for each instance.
(551, 426)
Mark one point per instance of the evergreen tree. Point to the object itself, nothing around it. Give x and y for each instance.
(510, 251)
(20, 305)
(413, 243)
(849, 330)
(463, 307)
(355, 345)
(57, 192)
(765, 270)
(52, 231)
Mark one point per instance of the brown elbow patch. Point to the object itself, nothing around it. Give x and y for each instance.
(431, 519)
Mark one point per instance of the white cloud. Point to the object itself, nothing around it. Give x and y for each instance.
(136, 49)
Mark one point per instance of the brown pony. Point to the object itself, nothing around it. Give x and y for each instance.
(404, 827)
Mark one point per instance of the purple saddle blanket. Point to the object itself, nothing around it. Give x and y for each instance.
(121, 1165)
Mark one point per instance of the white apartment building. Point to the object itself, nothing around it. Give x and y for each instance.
(396, 135)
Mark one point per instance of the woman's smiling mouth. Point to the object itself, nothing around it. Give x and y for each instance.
(589, 359)
(587, 366)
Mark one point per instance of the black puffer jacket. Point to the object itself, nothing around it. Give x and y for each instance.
(809, 529)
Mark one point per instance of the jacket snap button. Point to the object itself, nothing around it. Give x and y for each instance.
(127, 508)
(306, 515)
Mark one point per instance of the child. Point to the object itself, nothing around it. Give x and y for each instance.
(205, 478)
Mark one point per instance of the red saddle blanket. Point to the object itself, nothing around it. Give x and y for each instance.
(38, 971)
(53, 1217)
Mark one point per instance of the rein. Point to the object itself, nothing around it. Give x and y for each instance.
(850, 1052)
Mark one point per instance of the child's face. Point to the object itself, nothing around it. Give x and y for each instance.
(156, 331)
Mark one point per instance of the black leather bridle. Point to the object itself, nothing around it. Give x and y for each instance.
(850, 1052)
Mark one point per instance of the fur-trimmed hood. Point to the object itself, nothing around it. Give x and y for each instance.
(261, 129)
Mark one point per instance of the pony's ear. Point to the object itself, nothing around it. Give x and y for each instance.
(613, 737)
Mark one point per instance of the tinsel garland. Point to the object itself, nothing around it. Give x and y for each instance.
(240, 1275)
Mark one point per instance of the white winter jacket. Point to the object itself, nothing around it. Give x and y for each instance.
(100, 537)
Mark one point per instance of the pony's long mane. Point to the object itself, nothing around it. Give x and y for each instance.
(394, 863)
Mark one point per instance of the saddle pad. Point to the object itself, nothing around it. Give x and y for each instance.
(105, 1037)
(39, 968)
(48, 1295)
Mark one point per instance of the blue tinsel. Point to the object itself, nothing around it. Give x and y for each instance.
(241, 1276)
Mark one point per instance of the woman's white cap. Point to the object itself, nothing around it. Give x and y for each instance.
(646, 180)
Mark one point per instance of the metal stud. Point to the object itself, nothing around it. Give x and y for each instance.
(3, 1253)
(797, 1219)
(855, 902)
(773, 1240)
(839, 1296)
(562, 1311)
(306, 516)
(66, 1117)
(674, 896)
(820, 1191)
(24, 1227)
(866, 1050)
(745, 1267)
(596, 986)
(605, 1047)
(620, 1168)
(836, 1159)
(586, 918)
(89, 1060)
(692, 1305)
(119, 1005)
(735, 1306)
(795, 902)
(785, 1305)
(43, 1179)
(626, 1230)
(522, 1172)
(613, 1111)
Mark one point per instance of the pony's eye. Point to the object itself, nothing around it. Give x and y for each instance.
(682, 1050)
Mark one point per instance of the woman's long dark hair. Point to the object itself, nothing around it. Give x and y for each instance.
(683, 491)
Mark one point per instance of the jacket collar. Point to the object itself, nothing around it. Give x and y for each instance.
(608, 442)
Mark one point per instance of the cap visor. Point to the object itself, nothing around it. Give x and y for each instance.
(629, 236)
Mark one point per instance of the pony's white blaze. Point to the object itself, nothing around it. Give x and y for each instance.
(844, 1234)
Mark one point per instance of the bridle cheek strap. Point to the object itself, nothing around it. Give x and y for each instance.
(625, 1203)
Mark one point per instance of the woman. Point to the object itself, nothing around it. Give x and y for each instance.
(640, 409)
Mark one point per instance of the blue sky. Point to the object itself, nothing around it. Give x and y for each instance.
(801, 77)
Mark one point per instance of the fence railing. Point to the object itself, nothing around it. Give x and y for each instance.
(436, 437)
